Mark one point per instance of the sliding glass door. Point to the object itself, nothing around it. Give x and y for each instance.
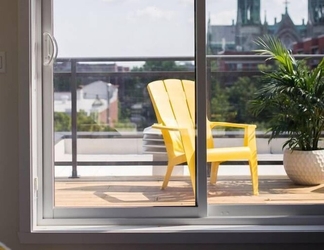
(101, 153)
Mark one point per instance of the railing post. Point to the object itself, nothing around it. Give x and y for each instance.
(208, 85)
(74, 118)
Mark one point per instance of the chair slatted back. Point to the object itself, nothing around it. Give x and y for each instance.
(171, 109)
(174, 104)
(179, 101)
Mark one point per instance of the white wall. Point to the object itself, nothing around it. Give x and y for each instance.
(9, 144)
(9, 125)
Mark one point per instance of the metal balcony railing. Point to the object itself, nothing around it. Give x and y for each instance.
(227, 68)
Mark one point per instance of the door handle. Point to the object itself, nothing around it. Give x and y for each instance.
(50, 49)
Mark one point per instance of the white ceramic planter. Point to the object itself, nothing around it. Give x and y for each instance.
(304, 167)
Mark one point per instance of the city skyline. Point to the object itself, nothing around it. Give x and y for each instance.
(128, 28)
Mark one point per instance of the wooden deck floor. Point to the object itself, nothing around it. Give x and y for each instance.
(145, 191)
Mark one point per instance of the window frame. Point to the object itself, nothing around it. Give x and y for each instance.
(49, 209)
(226, 224)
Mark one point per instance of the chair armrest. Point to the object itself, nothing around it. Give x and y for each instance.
(232, 125)
(163, 127)
(181, 130)
(249, 139)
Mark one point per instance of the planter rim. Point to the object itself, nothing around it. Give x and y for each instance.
(299, 150)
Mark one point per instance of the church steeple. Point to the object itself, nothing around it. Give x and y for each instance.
(316, 12)
(265, 18)
(286, 7)
(248, 12)
(315, 25)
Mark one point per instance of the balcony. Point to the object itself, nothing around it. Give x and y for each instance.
(128, 191)
(121, 167)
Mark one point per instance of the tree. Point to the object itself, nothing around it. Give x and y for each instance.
(239, 95)
(62, 122)
(62, 83)
(219, 105)
(136, 92)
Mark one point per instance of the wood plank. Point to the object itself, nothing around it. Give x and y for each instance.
(145, 191)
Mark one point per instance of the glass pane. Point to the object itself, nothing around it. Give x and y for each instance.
(107, 154)
(234, 76)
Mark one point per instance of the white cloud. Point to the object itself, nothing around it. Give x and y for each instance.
(223, 17)
(191, 20)
(223, 11)
(121, 1)
(187, 2)
(297, 9)
(109, 1)
(153, 12)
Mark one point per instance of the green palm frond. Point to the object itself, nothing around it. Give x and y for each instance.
(293, 95)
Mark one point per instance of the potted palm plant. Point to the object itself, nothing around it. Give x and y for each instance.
(292, 100)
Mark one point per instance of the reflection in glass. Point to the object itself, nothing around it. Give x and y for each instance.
(233, 76)
(102, 112)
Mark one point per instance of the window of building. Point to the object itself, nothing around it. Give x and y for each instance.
(315, 50)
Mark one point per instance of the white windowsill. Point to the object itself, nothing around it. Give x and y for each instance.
(191, 234)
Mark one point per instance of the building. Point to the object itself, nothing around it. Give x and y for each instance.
(234, 43)
(92, 99)
(239, 36)
(313, 45)
(62, 67)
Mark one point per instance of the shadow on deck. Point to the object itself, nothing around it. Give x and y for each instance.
(145, 191)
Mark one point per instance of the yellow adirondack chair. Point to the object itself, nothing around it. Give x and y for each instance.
(174, 105)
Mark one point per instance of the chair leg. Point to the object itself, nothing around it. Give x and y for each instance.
(214, 172)
(167, 175)
(254, 175)
(192, 171)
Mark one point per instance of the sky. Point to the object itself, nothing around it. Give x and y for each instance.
(130, 28)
